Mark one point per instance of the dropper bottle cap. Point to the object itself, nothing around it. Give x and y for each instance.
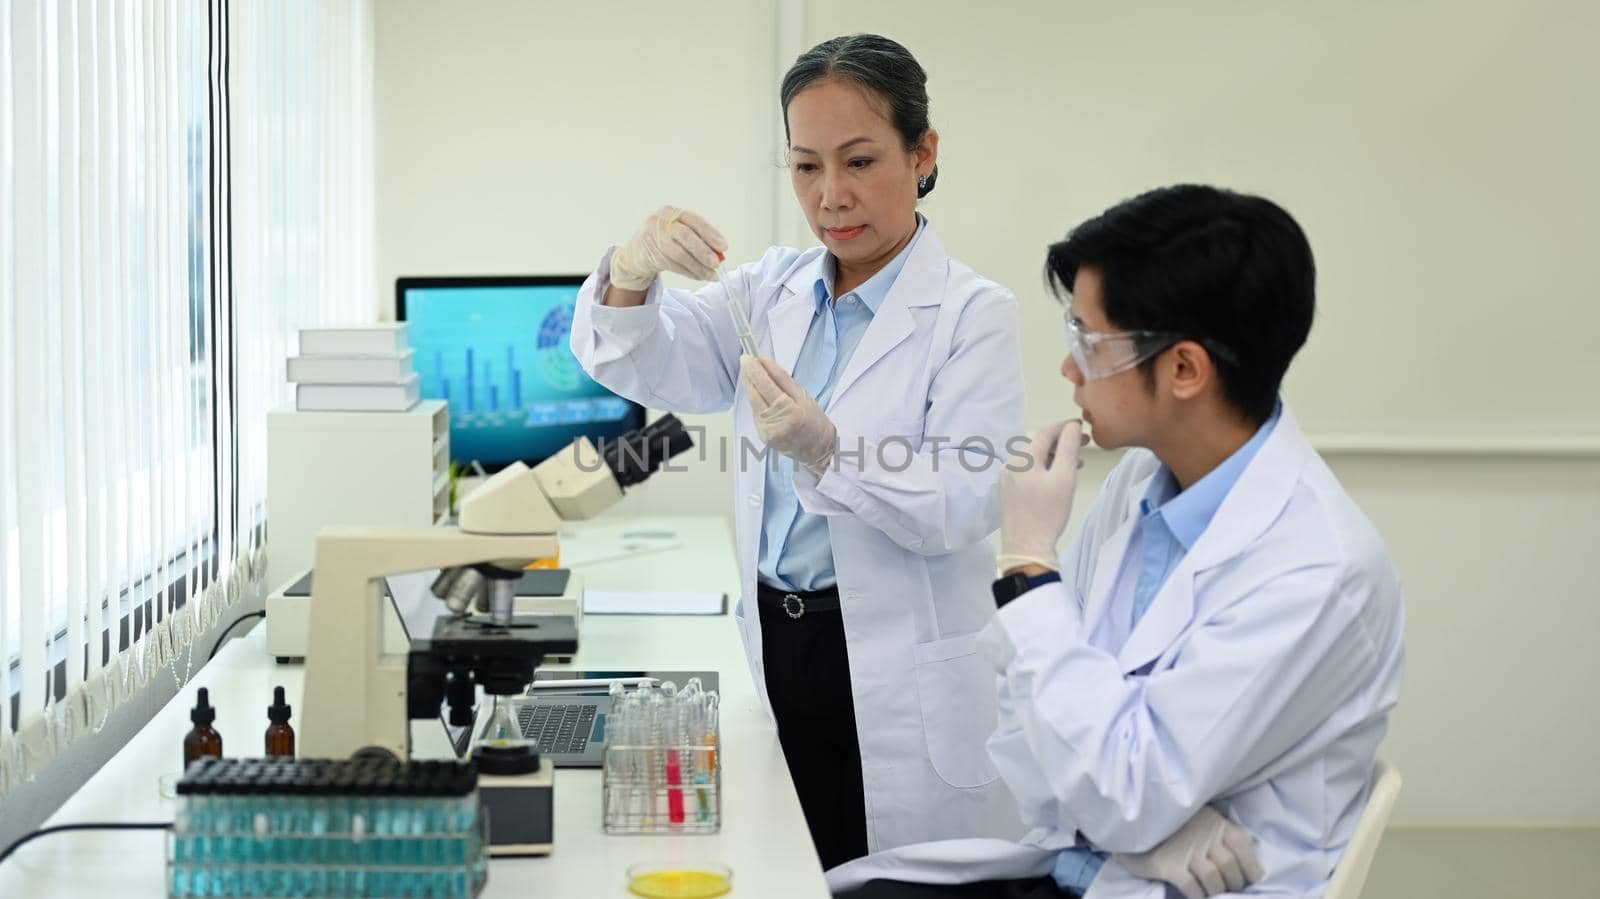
(202, 713)
(278, 712)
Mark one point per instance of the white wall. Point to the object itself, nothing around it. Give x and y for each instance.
(525, 137)
(1435, 152)
(1439, 155)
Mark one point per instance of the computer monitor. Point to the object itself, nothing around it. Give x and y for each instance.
(496, 349)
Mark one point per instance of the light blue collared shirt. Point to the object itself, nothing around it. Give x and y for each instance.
(1169, 524)
(795, 552)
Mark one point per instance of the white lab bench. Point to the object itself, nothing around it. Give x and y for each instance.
(763, 836)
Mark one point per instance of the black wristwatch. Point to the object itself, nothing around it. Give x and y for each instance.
(1010, 586)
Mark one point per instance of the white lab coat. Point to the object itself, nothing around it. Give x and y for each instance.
(910, 547)
(1259, 681)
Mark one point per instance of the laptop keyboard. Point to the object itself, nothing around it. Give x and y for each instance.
(558, 728)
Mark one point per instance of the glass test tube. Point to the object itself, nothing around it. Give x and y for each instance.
(741, 316)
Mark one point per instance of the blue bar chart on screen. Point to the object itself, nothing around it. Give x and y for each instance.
(496, 349)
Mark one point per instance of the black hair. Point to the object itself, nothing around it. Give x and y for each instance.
(881, 66)
(1231, 271)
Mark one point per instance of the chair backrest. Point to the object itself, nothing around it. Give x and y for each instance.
(1351, 873)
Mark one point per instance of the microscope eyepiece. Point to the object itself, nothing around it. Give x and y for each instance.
(638, 454)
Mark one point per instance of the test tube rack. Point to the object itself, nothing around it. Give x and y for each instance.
(663, 770)
(313, 827)
(642, 794)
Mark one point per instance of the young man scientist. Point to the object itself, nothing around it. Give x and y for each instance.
(1220, 645)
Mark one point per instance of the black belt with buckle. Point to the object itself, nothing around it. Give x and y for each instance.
(796, 603)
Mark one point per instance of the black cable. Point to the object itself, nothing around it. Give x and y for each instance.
(61, 827)
(236, 623)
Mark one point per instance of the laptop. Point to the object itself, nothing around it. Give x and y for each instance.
(569, 722)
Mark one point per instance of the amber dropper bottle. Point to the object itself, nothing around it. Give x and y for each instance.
(202, 740)
(280, 736)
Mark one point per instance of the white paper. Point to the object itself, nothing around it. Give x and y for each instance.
(605, 546)
(617, 602)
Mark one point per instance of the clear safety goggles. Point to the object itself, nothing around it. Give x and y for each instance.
(1101, 354)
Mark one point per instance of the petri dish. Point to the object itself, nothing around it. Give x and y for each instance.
(679, 880)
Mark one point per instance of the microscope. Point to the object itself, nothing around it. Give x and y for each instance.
(359, 699)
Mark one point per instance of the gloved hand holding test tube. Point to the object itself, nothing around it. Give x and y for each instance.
(689, 252)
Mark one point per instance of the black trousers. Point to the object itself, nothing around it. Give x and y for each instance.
(1034, 888)
(807, 669)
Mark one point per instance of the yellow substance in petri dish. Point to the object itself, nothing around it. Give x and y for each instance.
(680, 884)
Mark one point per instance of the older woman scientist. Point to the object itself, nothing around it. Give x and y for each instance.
(888, 391)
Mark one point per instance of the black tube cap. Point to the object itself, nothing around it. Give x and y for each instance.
(278, 712)
(202, 713)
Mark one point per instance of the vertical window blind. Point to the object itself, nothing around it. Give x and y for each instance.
(183, 184)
